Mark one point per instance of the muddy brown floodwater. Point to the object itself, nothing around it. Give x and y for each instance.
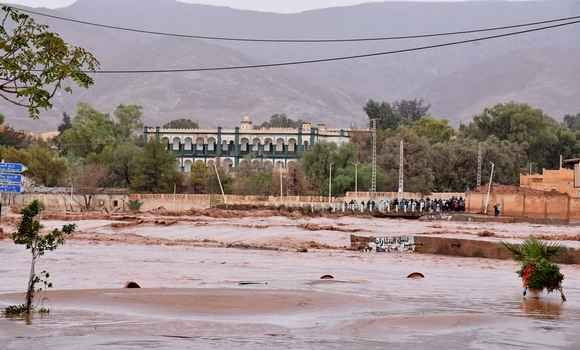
(192, 297)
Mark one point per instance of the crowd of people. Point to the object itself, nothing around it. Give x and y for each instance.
(423, 205)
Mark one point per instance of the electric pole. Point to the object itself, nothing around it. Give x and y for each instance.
(356, 178)
(220, 182)
(489, 187)
(374, 159)
(330, 185)
(479, 164)
(401, 170)
(281, 186)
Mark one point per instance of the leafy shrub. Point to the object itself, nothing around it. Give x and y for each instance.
(135, 205)
(15, 310)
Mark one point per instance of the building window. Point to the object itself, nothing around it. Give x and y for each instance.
(280, 145)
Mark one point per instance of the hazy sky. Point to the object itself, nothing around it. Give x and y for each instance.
(261, 5)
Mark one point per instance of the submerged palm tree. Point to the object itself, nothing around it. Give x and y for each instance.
(537, 271)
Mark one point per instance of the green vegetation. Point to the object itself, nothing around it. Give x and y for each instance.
(29, 234)
(135, 205)
(281, 121)
(28, 46)
(96, 149)
(182, 124)
(537, 271)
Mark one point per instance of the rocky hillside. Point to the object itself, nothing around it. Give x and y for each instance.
(538, 68)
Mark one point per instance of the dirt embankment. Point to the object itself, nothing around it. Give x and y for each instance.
(132, 238)
(338, 228)
(493, 234)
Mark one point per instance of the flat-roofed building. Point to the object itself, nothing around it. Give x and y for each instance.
(268, 147)
(564, 180)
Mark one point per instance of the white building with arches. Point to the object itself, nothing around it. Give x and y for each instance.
(268, 147)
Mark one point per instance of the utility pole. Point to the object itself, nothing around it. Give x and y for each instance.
(479, 164)
(220, 182)
(330, 185)
(401, 170)
(489, 187)
(356, 178)
(374, 158)
(281, 186)
(561, 161)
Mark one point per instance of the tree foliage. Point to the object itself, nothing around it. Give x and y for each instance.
(391, 116)
(434, 130)
(29, 234)
(520, 123)
(91, 132)
(128, 121)
(44, 165)
(282, 121)
(537, 270)
(182, 123)
(156, 169)
(36, 64)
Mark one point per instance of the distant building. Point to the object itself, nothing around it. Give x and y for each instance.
(268, 147)
(564, 180)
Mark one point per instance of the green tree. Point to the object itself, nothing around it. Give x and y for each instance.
(419, 176)
(29, 234)
(120, 160)
(12, 138)
(199, 178)
(316, 164)
(454, 165)
(44, 166)
(91, 132)
(251, 180)
(155, 169)
(572, 122)
(128, 121)
(181, 124)
(391, 116)
(410, 111)
(281, 121)
(36, 64)
(383, 113)
(522, 124)
(226, 180)
(434, 130)
(65, 124)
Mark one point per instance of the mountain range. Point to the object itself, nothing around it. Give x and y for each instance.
(540, 68)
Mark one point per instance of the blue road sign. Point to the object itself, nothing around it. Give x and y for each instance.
(12, 167)
(7, 178)
(11, 189)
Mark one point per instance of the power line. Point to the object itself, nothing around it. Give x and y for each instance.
(335, 40)
(331, 59)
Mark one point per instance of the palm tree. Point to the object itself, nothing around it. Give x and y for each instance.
(537, 271)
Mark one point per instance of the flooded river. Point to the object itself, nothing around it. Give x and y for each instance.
(192, 297)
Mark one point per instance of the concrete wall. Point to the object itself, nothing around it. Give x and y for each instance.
(184, 202)
(464, 248)
(77, 203)
(550, 206)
